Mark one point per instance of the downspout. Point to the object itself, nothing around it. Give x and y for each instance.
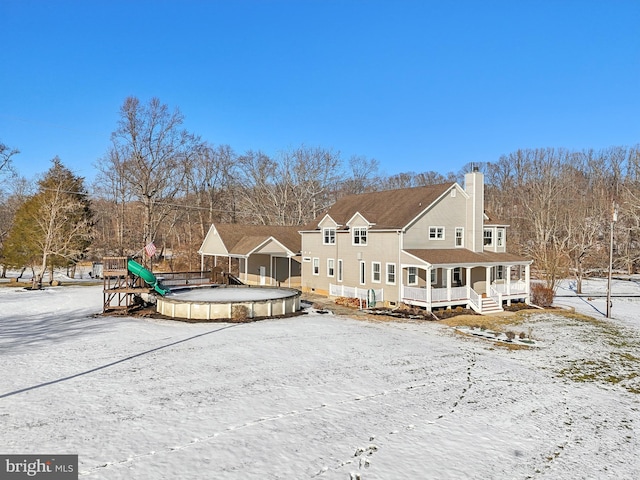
(400, 277)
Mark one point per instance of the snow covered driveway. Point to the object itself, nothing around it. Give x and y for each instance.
(315, 396)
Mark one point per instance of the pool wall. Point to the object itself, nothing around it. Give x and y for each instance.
(238, 310)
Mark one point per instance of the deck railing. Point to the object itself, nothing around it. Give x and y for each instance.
(438, 295)
(414, 293)
(354, 292)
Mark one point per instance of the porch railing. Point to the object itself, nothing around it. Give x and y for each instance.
(517, 287)
(496, 291)
(495, 295)
(354, 292)
(414, 293)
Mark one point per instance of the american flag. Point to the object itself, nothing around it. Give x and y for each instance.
(150, 249)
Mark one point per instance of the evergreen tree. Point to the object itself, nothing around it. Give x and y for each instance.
(54, 226)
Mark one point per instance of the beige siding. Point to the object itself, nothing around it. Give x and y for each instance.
(381, 247)
(212, 244)
(276, 271)
(449, 212)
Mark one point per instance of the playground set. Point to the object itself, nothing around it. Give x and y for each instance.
(125, 280)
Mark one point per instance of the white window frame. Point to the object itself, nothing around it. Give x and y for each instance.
(499, 275)
(315, 268)
(331, 267)
(500, 237)
(363, 272)
(436, 233)
(459, 240)
(329, 236)
(340, 270)
(375, 265)
(412, 272)
(358, 235)
(433, 276)
(391, 273)
(486, 237)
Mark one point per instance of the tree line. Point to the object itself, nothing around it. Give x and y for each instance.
(159, 183)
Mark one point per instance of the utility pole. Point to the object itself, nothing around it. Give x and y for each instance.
(614, 219)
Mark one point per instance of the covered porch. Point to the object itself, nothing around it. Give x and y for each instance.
(252, 258)
(485, 285)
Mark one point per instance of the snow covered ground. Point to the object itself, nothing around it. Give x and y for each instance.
(318, 396)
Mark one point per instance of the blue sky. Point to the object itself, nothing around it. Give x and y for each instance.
(417, 85)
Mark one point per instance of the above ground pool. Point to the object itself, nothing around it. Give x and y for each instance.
(221, 302)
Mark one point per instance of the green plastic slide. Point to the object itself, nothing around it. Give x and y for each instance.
(137, 269)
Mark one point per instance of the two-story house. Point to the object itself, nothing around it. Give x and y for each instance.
(430, 246)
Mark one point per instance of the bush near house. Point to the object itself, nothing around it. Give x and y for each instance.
(541, 295)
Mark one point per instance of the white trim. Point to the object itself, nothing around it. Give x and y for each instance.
(330, 268)
(330, 218)
(262, 244)
(428, 207)
(324, 229)
(353, 236)
(437, 230)
(373, 278)
(485, 230)
(362, 272)
(358, 214)
(416, 281)
(455, 237)
(316, 263)
(340, 271)
(395, 273)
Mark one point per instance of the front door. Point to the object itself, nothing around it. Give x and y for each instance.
(263, 275)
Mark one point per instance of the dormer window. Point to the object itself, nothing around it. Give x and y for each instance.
(359, 235)
(329, 236)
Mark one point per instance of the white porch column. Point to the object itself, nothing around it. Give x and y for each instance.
(468, 269)
(449, 270)
(527, 282)
(289, 271)
(201, 264)
(508, 280)
(487, 280)
(272, 270)
(429, 286)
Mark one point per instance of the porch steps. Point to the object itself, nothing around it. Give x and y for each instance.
(490, 306)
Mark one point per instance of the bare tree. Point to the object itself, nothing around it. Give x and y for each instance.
(210, 183)
(6, 153)
(364, 176)
(149, 156)
(55, 224)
